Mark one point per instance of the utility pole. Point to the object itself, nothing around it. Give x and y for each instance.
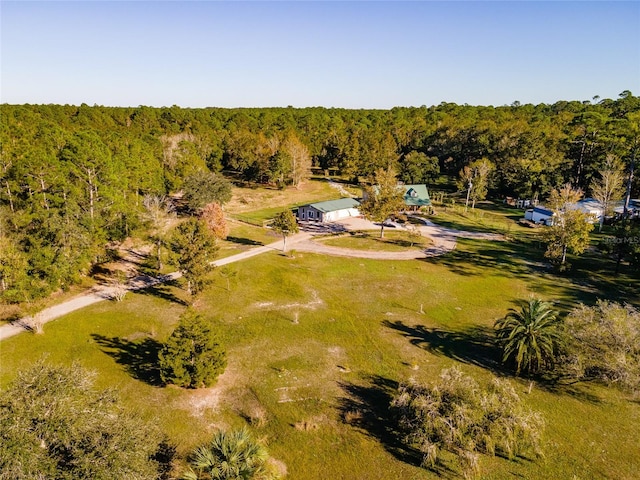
(627, 196)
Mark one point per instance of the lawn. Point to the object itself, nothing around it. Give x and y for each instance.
(243, 236)
(316, 346)
(488, 217)
(393, 241)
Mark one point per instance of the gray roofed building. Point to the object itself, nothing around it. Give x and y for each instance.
(329, 211)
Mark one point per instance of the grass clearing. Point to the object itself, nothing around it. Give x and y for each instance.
(243, 236)
(316, 346)
(489, 217)
(393, 241)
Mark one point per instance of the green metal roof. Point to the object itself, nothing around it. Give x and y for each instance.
(416, 195)
(333, 205)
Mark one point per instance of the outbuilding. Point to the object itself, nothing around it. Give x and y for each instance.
(539, 215)
(329, 211)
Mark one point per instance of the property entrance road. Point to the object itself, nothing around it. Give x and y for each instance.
(444, 240)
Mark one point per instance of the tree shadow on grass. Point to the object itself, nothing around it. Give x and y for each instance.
(163, 291)
(244, 241)
(509, 258)
(367, 407)
(165, 456)
(559, 386)
(591, 276)
(474, 346)
(139, 357)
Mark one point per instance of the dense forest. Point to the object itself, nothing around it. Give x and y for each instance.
(72, 178)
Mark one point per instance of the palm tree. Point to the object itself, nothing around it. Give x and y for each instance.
(231, 455)
(530, 336)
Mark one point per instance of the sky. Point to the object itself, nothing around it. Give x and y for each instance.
(364, 54)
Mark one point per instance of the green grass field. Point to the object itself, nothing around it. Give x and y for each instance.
(316, 346)
(393, 241)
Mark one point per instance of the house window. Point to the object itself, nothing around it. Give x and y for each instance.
(311, 215)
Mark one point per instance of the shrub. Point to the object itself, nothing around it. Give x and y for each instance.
(455, 417)
(603, 343)
(230, 456)
(55, 424)
(192, 356)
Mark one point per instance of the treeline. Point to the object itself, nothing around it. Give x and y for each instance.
(72, 179)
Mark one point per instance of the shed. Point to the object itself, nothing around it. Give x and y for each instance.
(329, 211)
(539, 215)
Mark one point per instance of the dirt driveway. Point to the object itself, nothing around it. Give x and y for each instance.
(444, 240)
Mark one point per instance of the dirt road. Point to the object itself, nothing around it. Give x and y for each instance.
(444, 240)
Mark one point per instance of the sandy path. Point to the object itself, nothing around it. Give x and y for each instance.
(101, 293)
(444, 240)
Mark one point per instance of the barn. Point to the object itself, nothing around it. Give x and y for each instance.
(329, 211)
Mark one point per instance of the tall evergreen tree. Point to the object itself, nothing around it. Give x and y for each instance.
(193, 248)
(192, 356)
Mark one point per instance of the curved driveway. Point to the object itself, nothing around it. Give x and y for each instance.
(444, 240)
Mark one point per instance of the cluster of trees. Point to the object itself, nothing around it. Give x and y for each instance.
(592, 343)
(455, 420)
(54, 423)
(73, 179)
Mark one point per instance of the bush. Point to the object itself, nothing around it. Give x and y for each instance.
(603, 343)
(456, 418)
(55, 424)
(192, 356)
(231, 456)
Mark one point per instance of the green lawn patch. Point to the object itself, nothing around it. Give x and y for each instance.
(317, 345)
(487, 217)
(243, 236)
(393, 241)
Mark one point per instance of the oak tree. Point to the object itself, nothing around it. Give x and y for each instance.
(382, 200)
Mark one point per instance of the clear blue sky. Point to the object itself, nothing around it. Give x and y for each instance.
(342, 54)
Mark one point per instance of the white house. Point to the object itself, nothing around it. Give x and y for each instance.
(329, 211)
(593, 207)
(539, 215)
(590, 206)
